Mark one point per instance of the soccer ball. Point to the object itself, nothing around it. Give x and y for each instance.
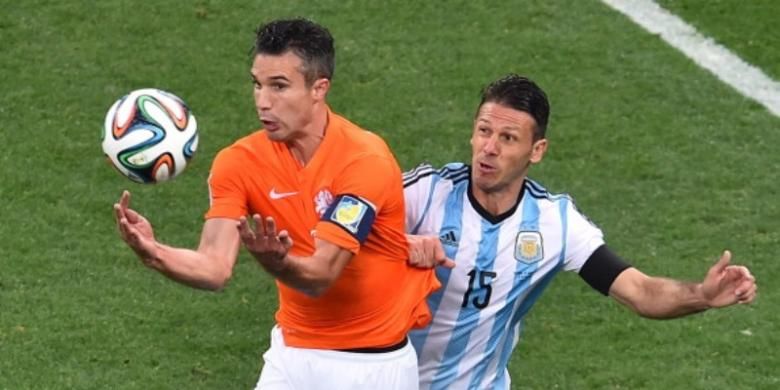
(149, 135)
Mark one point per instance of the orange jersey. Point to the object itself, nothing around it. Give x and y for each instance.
(378, 297)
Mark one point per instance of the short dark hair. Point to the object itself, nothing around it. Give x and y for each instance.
(308, 40)
(522, 94)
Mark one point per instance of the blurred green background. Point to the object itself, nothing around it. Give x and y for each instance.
(673, 165)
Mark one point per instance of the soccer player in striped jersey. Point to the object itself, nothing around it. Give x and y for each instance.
(508, 237)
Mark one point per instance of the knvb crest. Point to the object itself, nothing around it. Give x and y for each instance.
(528, 247)
(322, 200)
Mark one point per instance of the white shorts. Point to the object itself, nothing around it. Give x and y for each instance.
(290, 368)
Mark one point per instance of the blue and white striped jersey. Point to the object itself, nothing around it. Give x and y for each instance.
(501, 270)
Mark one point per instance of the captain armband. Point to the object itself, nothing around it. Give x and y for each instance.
(353, 214)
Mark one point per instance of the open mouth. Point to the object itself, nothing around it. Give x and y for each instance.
(486, 168)
(270, 125)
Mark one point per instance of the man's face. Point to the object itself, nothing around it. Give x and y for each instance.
(503, 148)
(283, 101)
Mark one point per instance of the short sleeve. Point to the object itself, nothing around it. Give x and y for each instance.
(227, 194)
(374, 179)
(417, 194)
(582, 238)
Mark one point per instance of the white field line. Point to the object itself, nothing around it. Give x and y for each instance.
(725, 65)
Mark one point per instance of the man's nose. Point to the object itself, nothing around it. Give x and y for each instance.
(262, 99)
(491, 146)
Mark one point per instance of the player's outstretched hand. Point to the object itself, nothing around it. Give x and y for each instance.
(135, 230)
(267, 246)
(727, 284)
(427, 252)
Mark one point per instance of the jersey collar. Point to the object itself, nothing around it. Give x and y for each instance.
(494, 219)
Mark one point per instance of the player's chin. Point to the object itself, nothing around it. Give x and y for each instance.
(277, 134)
(485, 183)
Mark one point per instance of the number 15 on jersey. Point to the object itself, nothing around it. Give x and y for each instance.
(479, 290)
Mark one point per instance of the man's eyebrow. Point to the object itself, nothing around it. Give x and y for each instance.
(272, 78)
(507, 127)
(512, 127)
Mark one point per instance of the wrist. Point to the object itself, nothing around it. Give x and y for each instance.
(151, 257)
(702, 299)
(274, 264)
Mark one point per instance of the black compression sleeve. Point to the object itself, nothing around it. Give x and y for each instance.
(602, 268)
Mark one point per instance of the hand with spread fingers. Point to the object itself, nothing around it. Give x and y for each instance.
(135, 230)
(268, 248)
(727, 284)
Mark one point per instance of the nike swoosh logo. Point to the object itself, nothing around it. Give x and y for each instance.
(279, 195)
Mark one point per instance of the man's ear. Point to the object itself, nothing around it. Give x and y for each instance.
(320, 89)
(538, 150)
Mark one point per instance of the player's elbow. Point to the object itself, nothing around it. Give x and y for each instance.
(646, 306)
(317, 286)
(658, 314)
(637, 292)
(644, 311)
(219, 279)
(221, 282)
(318, 274)
(314, 292)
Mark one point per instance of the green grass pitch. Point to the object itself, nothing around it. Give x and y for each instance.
(672, 164)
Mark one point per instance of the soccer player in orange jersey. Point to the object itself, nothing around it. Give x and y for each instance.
(326, 199)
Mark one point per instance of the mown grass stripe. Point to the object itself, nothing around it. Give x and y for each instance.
(704, 51)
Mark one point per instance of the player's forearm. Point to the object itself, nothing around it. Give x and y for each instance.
(305, 274)
(663, 298)
(190, 267)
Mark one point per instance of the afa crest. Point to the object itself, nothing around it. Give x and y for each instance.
(528, 247)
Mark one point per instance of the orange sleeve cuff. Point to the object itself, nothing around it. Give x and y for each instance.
(225, 211)
(336, 235)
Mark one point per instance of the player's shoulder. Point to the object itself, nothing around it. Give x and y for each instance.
(356, 137)
(243, 149)
(451, 174)
(256, 139)
(539, 192)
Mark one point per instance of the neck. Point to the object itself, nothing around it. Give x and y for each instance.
(304, 147)
(498, 202)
